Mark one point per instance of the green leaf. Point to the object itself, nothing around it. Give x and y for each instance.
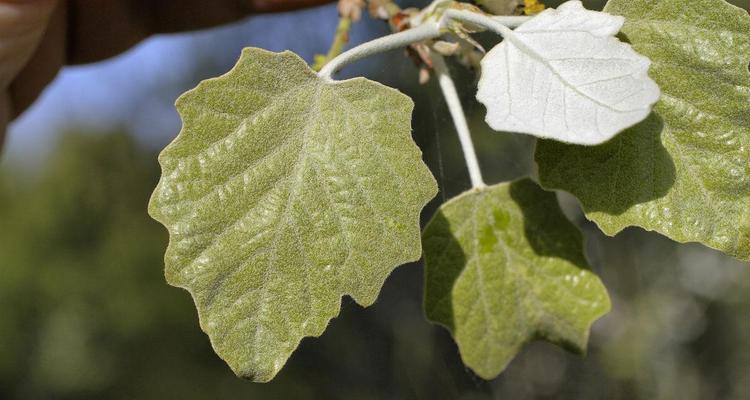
(685, 171)
(504, 266)
(282, 193)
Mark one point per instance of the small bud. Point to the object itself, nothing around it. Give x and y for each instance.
(445, 48)
(382, 9)
(424, 76)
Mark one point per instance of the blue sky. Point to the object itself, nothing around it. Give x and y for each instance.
(135, 91)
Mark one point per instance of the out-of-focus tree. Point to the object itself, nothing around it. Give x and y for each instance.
(85, 312)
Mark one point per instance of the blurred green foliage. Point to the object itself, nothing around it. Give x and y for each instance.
(85, 312)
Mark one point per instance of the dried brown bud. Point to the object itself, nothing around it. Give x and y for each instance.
(382, 9)
(424, 76)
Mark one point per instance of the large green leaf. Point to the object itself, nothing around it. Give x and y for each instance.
(282, 193)
(685, 171)
(504, 266)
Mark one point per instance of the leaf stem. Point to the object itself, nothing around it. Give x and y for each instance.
(511, 21)
(429, 30)
(498, 24)
(432, 29)
(448, 87)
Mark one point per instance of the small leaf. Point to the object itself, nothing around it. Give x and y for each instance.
(563, 75)
(685, 171)
(282, 193)
(504, 266)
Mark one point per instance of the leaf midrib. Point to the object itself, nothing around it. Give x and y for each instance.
(518, 265)
(515, 39)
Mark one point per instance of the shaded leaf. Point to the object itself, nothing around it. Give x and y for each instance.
(504, 266)
(685, 172)
(282, 193)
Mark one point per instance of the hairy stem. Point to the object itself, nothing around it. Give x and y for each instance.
(450, 94)
(498, 24)
(426, 31)
(511, 21)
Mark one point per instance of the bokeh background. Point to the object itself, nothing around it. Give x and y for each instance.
(85, 312)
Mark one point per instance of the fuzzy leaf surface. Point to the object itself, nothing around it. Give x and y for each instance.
(504, 266)
(563, 75)
(685, 171)
(282, 193)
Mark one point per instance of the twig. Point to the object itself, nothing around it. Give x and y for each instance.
(426, 30)
(429, 30)
(450, 94)
(340, 39)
